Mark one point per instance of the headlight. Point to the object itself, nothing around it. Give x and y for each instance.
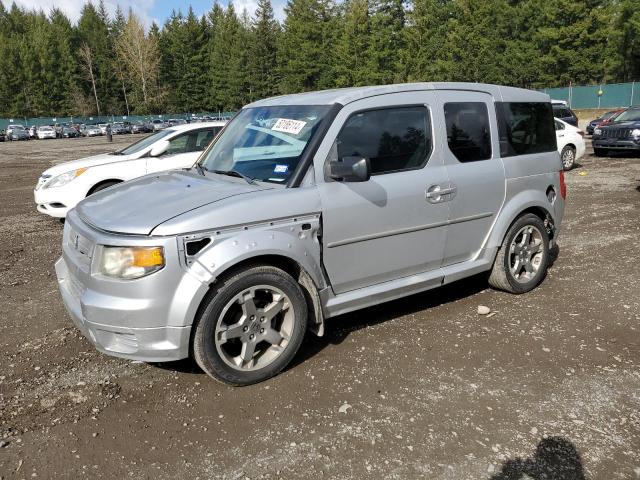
(597, 131)
(635, 133)
(65, 178)
(129, 262)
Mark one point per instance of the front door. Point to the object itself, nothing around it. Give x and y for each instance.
(388, 227)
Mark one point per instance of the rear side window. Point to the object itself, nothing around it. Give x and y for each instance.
(526, 128)
(393, 139)
(468, 132)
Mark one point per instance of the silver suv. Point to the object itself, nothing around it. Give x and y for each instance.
(310, 206)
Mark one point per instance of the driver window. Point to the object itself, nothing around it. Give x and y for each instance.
(393, 139)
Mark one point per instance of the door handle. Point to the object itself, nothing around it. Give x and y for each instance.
(437, 194)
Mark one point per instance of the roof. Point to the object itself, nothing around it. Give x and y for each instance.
(190, 126)
(347, 95)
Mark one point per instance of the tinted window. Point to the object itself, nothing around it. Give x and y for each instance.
(468, 132)
(392, 139)
(526, 128)
(561, 111)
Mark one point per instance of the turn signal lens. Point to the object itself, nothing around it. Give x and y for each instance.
(130, 262)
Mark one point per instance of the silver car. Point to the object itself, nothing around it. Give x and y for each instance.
(310, 206)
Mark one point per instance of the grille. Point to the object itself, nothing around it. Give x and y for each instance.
(616, 133)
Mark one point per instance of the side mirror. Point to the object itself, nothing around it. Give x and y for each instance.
(350, 169)
(161, 147)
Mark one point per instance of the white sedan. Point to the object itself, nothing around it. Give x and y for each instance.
(61, 187)
(45, 132)
(570, 143)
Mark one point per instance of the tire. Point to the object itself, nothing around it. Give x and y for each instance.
(251, 352)
(600, 152)
(102, 186)
(568, 157)
(510, 273)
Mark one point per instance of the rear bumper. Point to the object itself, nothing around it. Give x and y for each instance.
(152, 344)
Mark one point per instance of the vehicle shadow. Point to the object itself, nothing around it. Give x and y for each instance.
(556, 458)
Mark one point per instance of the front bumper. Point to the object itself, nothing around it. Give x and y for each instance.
(154, 344)
(616, 144)
(147, 319)
(55, 202)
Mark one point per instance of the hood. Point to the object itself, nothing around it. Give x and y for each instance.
(138, 206)
(87, 162)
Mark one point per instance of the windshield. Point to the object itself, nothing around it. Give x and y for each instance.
(631, 115)
(265, 143)
(144, 143)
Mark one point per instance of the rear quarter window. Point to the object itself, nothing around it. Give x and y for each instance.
(468, 131)
(525, 128)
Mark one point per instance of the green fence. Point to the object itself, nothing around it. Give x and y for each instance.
(611, 95)
(27, 121)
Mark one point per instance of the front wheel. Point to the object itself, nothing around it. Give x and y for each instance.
(522, 260)
(568, 157)
(251, 326)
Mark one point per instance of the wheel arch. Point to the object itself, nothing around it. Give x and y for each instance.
(288, 264)
(542, 209)
(101, 183)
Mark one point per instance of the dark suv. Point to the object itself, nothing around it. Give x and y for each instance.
(623, 133)
(564, 113)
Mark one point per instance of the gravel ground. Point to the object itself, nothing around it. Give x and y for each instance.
(546, 388)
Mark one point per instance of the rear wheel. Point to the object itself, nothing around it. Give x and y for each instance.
(600, 152)
(251, 326)
(568, 157)
(522, 260)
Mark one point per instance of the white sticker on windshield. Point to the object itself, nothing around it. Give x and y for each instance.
(286, 125)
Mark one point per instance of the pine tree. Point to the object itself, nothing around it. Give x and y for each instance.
(263, 52)
(352, 49)
(387, 42)
(305, 53)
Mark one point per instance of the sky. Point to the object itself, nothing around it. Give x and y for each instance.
(148, 10)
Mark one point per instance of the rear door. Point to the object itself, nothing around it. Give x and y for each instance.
(385, 228)
(472, 158)
(183, 151)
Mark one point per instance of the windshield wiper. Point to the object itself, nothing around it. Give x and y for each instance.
(235, 173)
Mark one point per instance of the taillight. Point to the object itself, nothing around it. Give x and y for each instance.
(563, 186)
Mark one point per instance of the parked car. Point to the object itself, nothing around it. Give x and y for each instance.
(2, 134)
(571, 144)
(562, 111)
(61, 187)
(597, 121)
(90, 130)
(33, 131)
(119, 128)
(612, 118)
(103, 128)
(46, 131)
(141, 127)
(176, 121)
(18, 132)
(69, 132)
(158, 125)
(391, 190)
(10, 129)
(621, 134)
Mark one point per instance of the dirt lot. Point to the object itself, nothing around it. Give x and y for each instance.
(424, 387)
